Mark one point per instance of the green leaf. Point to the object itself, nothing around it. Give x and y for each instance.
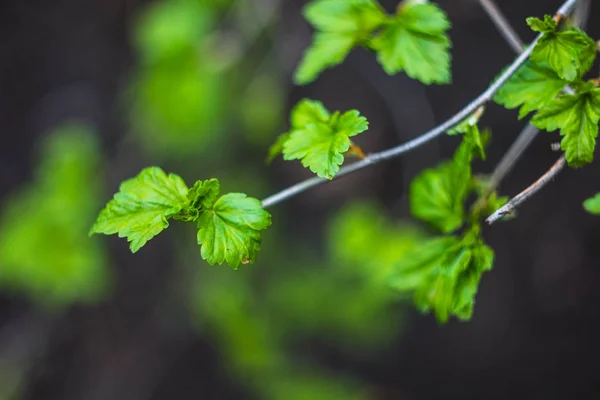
(570, 53)
(230, 231)
(204, 194)
(444, 274)
(533, 86)
(320, 140)
(327, 50)
(141, 208)
(200, 197)
(548, 25)
(416, 42)
(308, 112)
(437, 195)
(577, 118)
(340, 24)
(592, 205)
(305, 112)
(412, 270)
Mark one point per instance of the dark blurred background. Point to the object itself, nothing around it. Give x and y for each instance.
(93, 91)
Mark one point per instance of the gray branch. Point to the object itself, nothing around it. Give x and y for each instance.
(516, 201)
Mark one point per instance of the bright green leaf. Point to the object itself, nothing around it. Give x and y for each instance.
(416, 42)
(141, 208)
(577, 118)
(230, 231)
(570, 53)
(320, 140)
(533, 86)
(204, 194)
(592, 205)
(340, 24)
(200, 197)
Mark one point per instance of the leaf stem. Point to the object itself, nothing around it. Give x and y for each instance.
(384, 155)
(527, 193)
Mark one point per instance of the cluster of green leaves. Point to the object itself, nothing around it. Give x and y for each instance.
(318, 138)
(228, 226)
(44, 252)
(560, 58)
(413, 40)
(443, 272)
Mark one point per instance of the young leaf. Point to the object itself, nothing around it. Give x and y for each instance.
(141, 208)
(533, 86)
(320, 140)
(592, 205)
(204, 194)
(577, 118)
(570, 52)
(230, 231)
(200, 197)
(340, 24)
(548, 25)
(415, 41)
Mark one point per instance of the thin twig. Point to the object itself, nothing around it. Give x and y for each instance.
(516, 201)
(503, 26)
(511, 156)
(376, 158)
(529, 132)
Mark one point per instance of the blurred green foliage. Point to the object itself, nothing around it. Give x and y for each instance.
(261, 319)
(44, 249)
(178, 91)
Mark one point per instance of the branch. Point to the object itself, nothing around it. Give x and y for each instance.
(384, 155)
(503, 26)
(527, 193)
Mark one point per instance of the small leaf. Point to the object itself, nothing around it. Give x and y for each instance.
(230, 231)
(200, 197)
(340, 24)
(203, 194)
(141, 208)
(533, 86)
(592, 205)
(320, 140)
(577, 118)
(416, 42)
(546, 26)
